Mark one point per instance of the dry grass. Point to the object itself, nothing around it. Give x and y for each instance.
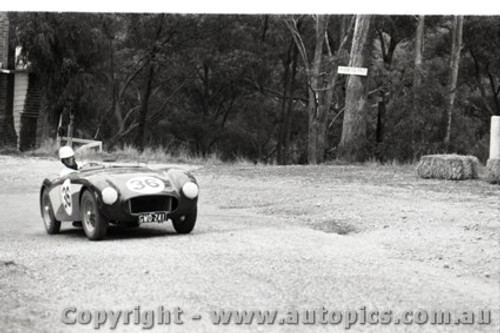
(129, 153)
(48, 148)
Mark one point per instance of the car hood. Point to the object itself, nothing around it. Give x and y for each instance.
(132, 182)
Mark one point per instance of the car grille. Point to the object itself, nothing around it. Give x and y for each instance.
(158, 203)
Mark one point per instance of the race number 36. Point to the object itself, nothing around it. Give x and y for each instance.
(146, 185)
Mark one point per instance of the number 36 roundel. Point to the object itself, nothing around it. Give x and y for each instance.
(145, 185)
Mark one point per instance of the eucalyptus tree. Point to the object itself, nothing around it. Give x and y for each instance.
(391, 34)
(481, 41)
(224, 107)
(456, 50)
(320, 61)
(154, 41)
(62, 50)
(354, 143)
(418, 74)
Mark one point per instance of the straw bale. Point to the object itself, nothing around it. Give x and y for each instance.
(448, 166)
(493, 171)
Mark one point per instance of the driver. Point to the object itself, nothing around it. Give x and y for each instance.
(67, 157)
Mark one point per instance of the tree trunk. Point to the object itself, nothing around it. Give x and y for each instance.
(353, 144)
(379, 132)
(417, 80)
(286, 89)
(314, 112)
(283, 146)
(456, 48)
(320, 86)
(289, 111)
(144, 108)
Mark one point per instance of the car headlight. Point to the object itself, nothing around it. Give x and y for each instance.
(190, 190)
(109, 195)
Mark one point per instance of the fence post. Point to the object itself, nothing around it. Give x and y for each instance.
(495, 137)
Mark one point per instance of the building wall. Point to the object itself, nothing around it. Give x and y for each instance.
(8, 136)
(4, 39)
(20, 96)
(28, 137)
(20, 90)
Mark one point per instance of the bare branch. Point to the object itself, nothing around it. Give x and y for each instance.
(292, 26)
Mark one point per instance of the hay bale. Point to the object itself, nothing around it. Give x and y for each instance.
(493, 171)
(451, 167)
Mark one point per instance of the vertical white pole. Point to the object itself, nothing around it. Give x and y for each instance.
(495, 137)
(59, 139)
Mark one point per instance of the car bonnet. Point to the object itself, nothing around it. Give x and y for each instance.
(132, 182)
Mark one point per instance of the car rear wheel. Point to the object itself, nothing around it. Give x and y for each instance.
(94, 224)
(52, 226)
(187, 225)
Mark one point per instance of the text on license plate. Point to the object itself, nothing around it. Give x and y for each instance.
(156, 217)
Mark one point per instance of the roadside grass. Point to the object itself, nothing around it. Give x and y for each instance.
(128, 153)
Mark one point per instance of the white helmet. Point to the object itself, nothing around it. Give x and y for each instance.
(66, 152)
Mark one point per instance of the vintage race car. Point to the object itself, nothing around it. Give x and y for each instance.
(100, 194)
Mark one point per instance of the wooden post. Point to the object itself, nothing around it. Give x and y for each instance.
(58, 136)
(70, 127)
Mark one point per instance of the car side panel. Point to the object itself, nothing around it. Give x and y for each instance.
(68, 213)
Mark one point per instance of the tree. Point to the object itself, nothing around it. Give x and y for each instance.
(417, 77)
(456, 49)
(481, 42)
(147, 86)
(391, 32)
(63, 50)
(353, 144)
(265, 87)
(322, 76)
(289, 84)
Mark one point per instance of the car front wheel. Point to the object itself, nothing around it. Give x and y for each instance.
(186, 225)
(52, 226)
(94, 224)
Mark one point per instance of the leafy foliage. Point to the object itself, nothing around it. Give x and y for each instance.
(223, 83)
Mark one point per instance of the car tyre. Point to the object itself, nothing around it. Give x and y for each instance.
(52, 226)
(94, 224)
(187, 225)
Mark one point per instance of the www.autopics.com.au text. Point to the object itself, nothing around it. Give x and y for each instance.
(148, 318)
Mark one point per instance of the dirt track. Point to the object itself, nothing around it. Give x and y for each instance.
(267, 238)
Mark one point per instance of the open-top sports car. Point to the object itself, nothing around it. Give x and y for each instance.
(99, 194)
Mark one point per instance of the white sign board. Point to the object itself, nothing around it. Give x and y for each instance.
(362, 71)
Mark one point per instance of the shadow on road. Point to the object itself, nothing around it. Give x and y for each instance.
(118, 233)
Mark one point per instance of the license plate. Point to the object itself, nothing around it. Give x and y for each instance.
(156, 217)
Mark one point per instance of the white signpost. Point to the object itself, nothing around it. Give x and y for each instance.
(495, 137)
(361, 71)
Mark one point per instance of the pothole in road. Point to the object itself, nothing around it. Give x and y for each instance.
(10, 266)
(334, 227)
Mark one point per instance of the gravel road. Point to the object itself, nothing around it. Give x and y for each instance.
(264, 241)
